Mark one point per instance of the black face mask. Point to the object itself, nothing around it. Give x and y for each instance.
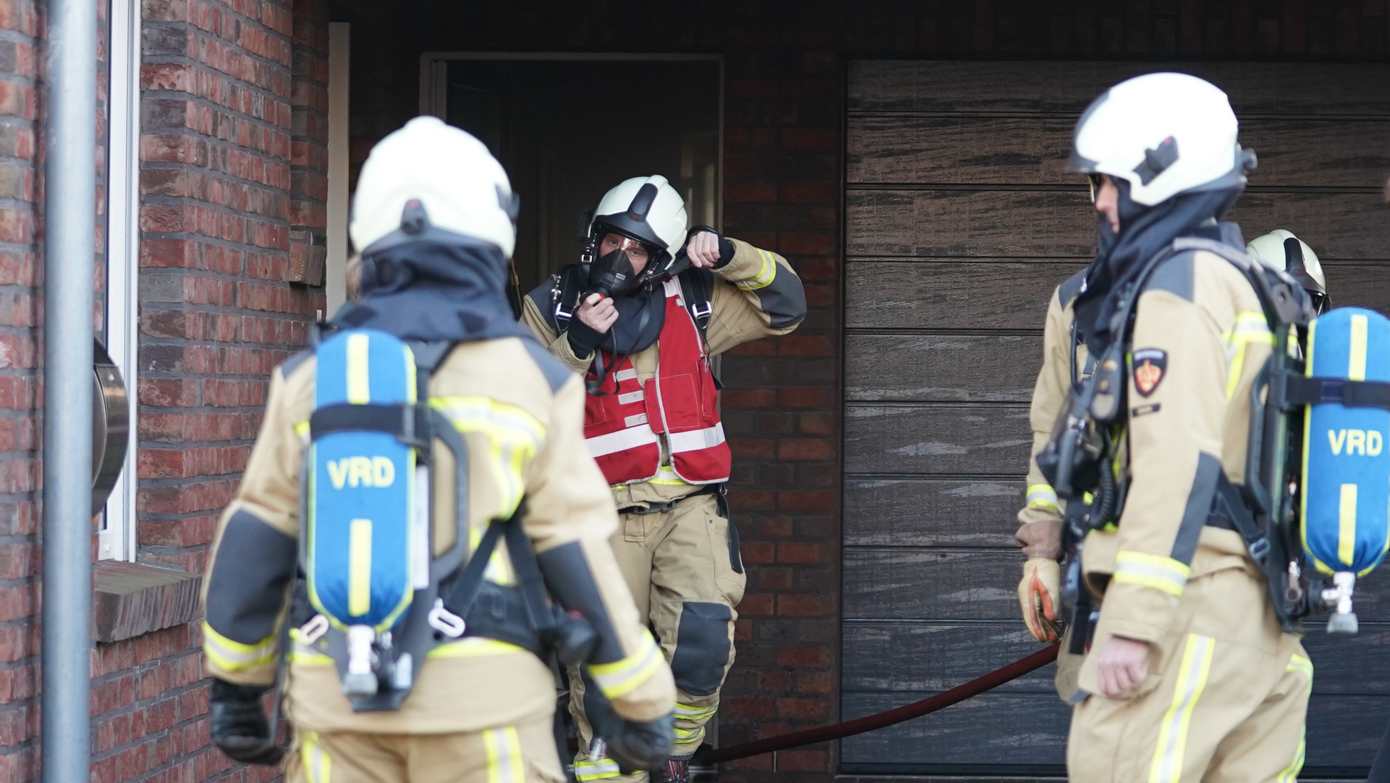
(612, 274)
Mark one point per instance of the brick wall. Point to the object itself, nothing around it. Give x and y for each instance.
(221, 301)
(20, 391)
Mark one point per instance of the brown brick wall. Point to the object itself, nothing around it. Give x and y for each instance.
(20, 390)
(227, 221)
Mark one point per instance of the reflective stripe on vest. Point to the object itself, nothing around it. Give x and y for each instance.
(623, 419)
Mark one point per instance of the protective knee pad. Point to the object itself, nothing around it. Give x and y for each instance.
(702, 647)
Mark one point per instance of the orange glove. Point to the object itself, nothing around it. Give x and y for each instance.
(1039, 597)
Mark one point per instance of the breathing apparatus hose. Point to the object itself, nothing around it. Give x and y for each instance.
(891, 717)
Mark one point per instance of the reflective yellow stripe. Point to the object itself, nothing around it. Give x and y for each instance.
(695, 713)
(767, 272)
(1356, 362)
(232, 656)
(514, 436)
(359, 389)
(504, 761)
(359, 567)
(318, 767)
(1297, 663)
(603, 769)
(619, 678)
(666, 476)
(474, 647)
(1155, 571)
(1250, 327)
(301, 428)
(1042, 496)
(1346, 525)
(1172, 735)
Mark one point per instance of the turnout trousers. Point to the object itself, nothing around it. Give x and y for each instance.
(683, 567)
(521, 753)
(1225, 699)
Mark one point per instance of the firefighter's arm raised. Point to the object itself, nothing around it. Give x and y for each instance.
(570, 516)
(756, 294)
(254, 555)
(1177, 400)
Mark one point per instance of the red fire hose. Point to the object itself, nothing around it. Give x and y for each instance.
(897, 715)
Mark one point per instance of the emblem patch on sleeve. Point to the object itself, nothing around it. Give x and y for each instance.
(1150, 365)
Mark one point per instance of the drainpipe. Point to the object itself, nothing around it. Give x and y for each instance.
(69, 135)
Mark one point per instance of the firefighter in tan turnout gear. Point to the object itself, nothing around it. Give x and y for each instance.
(640, 318)
(1187, 674)
(453, 685)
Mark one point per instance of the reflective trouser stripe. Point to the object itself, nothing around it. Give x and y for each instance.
(1187, 690)
(622, 440)
(602, 769)
(696, 440)
(318, 766)
(504, 761)
(1042, 496)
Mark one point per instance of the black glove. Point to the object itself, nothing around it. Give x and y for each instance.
(726, 252)
(640, 745)
(239, 725)
(583, 340)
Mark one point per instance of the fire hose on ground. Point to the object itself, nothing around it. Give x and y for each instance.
(880, 720)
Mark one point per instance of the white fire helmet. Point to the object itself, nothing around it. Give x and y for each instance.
(649, 210)
(1163, 133)
(462, 188)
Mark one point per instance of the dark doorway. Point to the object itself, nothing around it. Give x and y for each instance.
(567, 130)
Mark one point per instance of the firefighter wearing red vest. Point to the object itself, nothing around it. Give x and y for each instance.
(646, 288)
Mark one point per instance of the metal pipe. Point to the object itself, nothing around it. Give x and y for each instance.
(70, 68)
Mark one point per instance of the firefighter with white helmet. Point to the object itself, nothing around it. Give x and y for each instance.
(1186, 672)
(1281, 250)
(450, 528)
(640, 317)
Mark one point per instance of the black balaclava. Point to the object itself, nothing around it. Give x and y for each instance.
(437, 287)
(1144, 231)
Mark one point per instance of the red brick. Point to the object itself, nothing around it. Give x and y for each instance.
(803, 760)
(758, 552)
(805, 501)
(168, 392)
(805, 449)
(801, 552)
(805, 605)
(803, 657)
(803, 709)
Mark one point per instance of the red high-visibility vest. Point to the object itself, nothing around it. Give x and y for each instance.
(624, 418)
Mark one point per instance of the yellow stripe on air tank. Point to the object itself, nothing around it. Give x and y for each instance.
(1346, 525)
(1356, 362)
(360, 567)
(359, 390)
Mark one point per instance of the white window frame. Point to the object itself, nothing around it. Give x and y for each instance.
(117, 538)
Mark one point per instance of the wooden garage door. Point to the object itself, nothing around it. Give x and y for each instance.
(960, 221)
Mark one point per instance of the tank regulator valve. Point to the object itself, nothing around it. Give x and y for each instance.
(1338, 599)
(361, 679)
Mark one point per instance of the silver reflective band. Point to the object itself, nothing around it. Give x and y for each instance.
(627, 398)
(625, 375)
(622, 440)
(635, 419)
(697, 439)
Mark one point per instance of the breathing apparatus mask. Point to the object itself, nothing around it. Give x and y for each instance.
(617, 264)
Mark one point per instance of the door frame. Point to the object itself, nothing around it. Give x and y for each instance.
(434, 66)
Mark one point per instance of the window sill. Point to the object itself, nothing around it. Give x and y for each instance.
(131, 599)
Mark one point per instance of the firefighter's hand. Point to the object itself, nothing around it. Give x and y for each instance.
(1122, 665)
(592, 321)
(1039, 596)
(598, 312)
(641, 745)
(239, 726)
